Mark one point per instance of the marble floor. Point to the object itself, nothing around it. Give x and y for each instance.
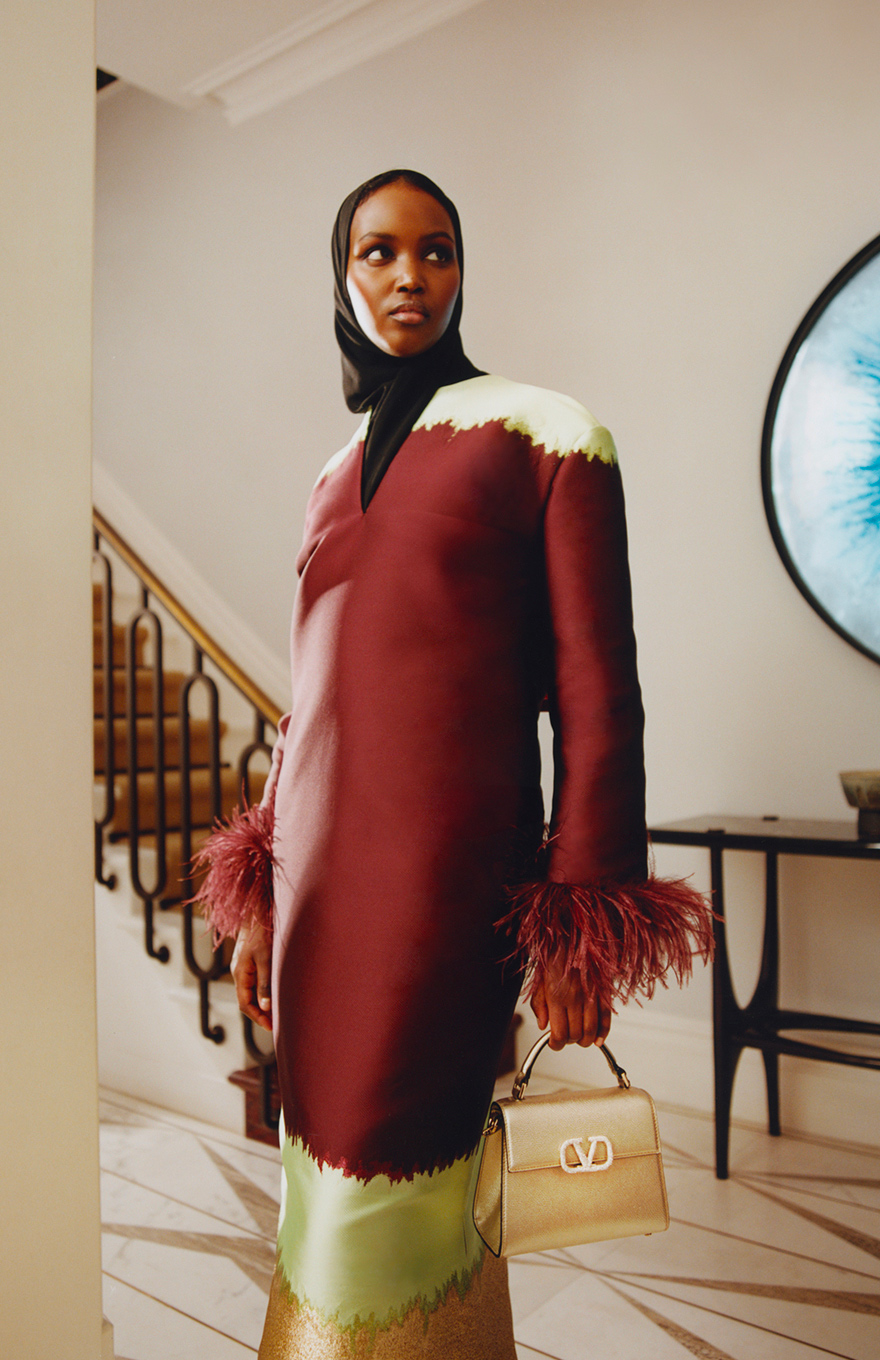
(780, 1262)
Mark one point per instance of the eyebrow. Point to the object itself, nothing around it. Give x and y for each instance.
(390, 236)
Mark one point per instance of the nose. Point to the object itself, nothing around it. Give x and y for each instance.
(409, 278)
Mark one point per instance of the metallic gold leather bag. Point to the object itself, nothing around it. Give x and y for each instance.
(571, 1167)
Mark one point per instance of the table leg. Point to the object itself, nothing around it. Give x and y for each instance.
(726, 1062)
(765, 1002)
(771, 1073)
(724, 1009)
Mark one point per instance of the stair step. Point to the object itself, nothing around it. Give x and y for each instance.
(249, 1080)
(200, 743)
(118, 644)
(175, 887)
(200, 793)
(173, 682)
(174, 882)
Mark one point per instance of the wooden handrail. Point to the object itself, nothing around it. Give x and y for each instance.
(265, 706)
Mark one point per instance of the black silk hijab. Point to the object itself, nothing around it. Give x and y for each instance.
(395, 389)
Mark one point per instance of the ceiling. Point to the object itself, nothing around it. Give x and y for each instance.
(251, 55)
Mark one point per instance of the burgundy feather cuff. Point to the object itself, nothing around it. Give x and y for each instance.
(239, 857)
(621, 938)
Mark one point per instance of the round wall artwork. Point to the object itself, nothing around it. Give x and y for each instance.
(820, 460)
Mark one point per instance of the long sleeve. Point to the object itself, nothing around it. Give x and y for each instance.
(598, 908)
(597, 824)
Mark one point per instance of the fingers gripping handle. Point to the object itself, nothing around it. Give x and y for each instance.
(521, 1080)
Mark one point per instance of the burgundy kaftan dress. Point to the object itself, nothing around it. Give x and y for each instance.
(487, 578)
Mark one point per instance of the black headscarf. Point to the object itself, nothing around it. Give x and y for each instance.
(396, 389)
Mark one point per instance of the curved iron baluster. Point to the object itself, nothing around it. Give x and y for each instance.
(147, 895)
(259, 743)
(204, 976)
(264, 1059)
(264, 711)
(107, 709)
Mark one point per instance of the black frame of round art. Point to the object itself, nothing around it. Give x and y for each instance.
(840, 280)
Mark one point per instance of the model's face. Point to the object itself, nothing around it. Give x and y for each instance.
(403, 272)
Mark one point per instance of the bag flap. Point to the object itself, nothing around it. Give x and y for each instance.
(622, 1123)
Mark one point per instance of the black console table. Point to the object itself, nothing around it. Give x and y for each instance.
(762, 1024)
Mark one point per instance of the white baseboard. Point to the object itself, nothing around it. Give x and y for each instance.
(672, 1058)
(264, 666)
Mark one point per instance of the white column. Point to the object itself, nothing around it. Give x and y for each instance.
(50, 1279)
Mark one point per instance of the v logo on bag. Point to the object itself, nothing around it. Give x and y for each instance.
(586, 1161)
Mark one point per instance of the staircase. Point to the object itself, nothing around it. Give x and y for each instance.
(166, 766)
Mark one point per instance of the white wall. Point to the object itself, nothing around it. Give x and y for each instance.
(50, 1265)
(652, 193)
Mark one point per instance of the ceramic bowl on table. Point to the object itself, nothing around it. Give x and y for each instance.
(862, 789)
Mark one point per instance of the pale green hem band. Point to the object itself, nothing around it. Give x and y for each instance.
(382, 1247)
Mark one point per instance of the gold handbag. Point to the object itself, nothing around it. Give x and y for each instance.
(569, 1168)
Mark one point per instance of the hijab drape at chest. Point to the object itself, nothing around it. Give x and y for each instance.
(395, 390)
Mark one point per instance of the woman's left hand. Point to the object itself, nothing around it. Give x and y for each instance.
(251, 968)
(559, 1000)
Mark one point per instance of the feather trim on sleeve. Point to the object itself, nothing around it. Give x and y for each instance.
(239, 857)
(621, 938)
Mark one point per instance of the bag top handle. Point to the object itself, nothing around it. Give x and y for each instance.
(521, 1080)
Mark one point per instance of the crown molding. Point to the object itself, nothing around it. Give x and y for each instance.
(338, 36)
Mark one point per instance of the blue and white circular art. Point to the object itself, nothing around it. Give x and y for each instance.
(821, 454)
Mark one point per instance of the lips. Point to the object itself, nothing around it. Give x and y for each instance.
(409, 311)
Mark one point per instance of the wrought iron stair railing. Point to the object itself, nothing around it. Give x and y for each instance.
(163, 772)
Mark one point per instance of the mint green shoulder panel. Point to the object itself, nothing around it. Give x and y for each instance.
(556, 423)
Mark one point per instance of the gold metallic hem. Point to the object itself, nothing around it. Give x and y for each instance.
(474, 1325)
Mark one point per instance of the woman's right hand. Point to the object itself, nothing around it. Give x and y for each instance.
(252, 971)
(574, 1016)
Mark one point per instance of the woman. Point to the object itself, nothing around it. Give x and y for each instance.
(463, 564)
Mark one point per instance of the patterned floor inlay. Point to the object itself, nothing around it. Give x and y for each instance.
(781, 1262)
